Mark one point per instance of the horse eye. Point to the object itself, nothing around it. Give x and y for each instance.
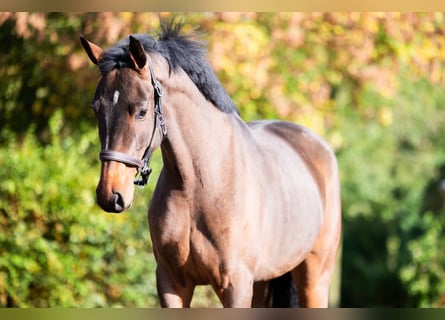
(142, 114)
(95, 105)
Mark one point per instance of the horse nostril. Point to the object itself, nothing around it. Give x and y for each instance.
(118, 202)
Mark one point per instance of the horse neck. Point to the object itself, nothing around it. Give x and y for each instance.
(200, 137)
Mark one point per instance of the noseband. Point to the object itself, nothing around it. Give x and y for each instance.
(143, 165)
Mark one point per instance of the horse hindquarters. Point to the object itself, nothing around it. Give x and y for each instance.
(313, 275)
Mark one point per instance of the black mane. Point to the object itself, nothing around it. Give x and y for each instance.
(181, 52)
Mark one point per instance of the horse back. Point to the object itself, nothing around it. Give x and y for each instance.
(316, 154)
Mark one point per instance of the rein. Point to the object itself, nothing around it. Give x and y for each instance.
(143, 165)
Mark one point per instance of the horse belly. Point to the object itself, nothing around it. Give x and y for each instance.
(291, 215)
(287, 240)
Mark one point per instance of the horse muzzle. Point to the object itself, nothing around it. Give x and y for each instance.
(115, 203)
(114, 192)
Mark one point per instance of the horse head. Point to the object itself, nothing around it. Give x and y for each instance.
(128, 108)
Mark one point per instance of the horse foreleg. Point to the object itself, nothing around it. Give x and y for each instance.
(236, 291)
(171, 293)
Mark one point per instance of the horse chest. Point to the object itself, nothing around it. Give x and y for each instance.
(180, 243)
(186, 251)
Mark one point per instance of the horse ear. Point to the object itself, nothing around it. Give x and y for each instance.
(93, 51)
(137, 53)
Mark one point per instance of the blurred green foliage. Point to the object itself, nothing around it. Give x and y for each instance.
(58, 249)
(370, 83)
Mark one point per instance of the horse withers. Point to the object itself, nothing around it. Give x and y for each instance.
(236, 204)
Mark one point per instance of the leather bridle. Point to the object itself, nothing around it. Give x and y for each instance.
(143, 165)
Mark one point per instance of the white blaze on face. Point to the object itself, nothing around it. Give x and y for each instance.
(115, 97)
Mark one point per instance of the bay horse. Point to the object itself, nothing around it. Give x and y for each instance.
(236, 204)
